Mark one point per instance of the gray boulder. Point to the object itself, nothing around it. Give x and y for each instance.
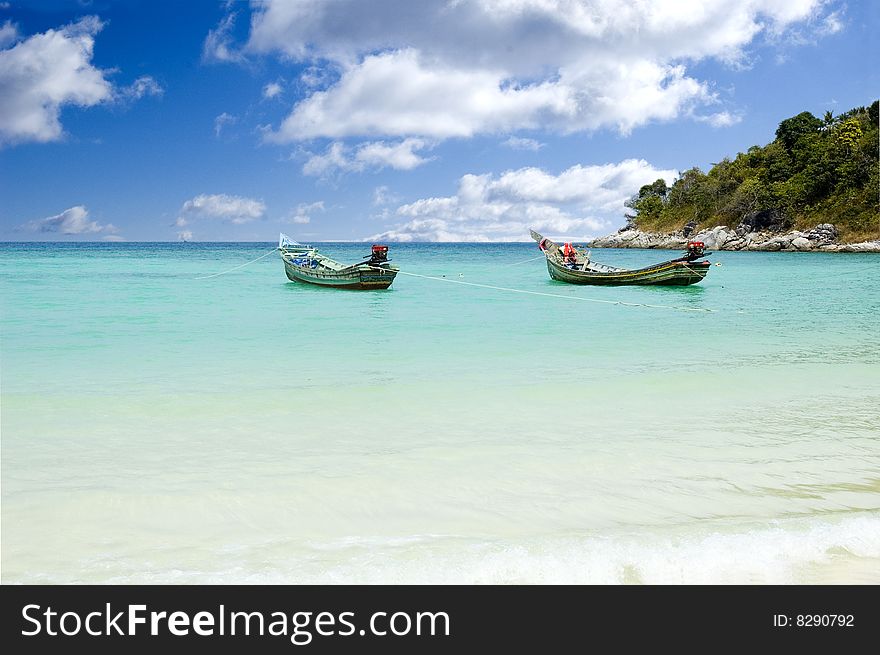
(714, 238)
(823, 233)
(802, 243)
(864, 246)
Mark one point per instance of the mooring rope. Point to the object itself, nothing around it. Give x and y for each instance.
(531, 259)
(553, 295)
(235, 268)
(489, 286)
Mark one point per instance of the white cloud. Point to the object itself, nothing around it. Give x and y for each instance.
(234, 209)
(113, 237)
(222, 121)
(374, 154)
(399, 156)
(579, 201)
(303, 212)
(74, 220)
(218, 46)
(382, 196)
(831, 24)
(720, 119)
(526, 37)
(271, 90)
(396, 94)
(517, 143)
(44, 72)
(142, 86)
(314, 77)
(8, 34)
(784, 12)
(443, 69)
(184, 235)
(334, 158)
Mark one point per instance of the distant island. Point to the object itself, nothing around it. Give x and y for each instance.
(816, 186)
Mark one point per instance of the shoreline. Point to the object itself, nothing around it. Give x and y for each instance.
(822, 238)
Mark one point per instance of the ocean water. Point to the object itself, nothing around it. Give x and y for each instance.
(242, 428)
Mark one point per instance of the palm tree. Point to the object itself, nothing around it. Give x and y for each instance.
(828, 120)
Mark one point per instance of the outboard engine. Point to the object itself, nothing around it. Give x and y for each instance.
(694, 250)
(378, 254)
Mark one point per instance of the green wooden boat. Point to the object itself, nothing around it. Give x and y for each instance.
(304, 263)
(567, 264)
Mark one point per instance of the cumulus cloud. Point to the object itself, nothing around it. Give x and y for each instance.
(184, 235)
(233, 209)
(44, 72)
(374, 154)
(41, 74)
(400, 156)
(74, 220)
(578, 201)
(442, 69)
(333, 158)
(303, 212)
(526, 37)
(397, 94)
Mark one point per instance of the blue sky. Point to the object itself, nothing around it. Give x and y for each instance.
(441, 120)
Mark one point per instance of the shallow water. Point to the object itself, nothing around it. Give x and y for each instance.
(243, 428)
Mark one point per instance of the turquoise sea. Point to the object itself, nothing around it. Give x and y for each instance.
(246, 429)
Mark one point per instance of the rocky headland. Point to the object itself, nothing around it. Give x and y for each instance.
(821, 238)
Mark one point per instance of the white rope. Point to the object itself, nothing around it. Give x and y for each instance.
(554, 295)
(489, 286)
(692, 271)
(235, 268)
(523, 261)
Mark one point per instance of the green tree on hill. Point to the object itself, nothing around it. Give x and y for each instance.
(793, 129)
(814, 171)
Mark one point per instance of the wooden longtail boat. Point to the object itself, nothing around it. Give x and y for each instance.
(305, 264)
(567, 264)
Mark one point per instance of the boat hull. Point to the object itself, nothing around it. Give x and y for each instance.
(578, 269)
(359, 277)
(672, 273)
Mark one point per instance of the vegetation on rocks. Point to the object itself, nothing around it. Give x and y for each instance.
(816, 170)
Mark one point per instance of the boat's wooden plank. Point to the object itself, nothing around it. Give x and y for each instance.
(674, 272)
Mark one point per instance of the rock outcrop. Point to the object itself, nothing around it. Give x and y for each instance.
(822, 238)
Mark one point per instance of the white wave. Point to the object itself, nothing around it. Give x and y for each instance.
(810, 551)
